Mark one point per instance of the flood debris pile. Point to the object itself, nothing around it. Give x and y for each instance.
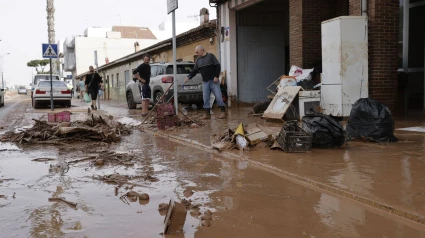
(242, 137)
(93, 129)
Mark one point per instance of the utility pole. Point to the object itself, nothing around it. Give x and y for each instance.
(51, 29)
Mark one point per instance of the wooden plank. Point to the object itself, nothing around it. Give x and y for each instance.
(281, 102)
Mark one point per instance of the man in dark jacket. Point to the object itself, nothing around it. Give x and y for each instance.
(209, 67)
(92, 82)
(143, 74)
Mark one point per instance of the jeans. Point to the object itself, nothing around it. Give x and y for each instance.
(211, 87)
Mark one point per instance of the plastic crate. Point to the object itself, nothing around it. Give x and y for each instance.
(166, 122)
(63, 117)
(166, 109)
(293, 139)
(51, 117)
(59, 117)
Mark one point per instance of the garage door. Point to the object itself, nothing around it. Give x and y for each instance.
(261, 56)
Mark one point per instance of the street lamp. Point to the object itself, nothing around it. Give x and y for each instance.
(2, 66)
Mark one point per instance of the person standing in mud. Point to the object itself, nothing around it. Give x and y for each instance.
(92, 82)
(210, 69)
(143, 74)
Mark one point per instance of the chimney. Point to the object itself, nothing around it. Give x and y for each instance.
(205, 16)
(136, 46)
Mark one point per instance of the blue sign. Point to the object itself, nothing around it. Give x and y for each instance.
(50, 51)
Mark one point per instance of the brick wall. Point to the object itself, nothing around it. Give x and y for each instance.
(295, 32)
(355, 9)
(305, 28)
(383, 51)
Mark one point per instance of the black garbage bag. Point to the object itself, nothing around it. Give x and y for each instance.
(370, 120)
(327, 132)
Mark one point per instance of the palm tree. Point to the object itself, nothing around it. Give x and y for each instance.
(51, 28)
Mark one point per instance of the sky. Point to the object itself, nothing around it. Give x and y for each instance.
(23, 25)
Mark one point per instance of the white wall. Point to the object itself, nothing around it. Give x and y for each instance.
(181, 27)
(96, 32)
(228, 53)
(113, 49)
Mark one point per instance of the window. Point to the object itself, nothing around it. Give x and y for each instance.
(154, 71)
(45, 84)
(127, 77)
(160, 70)
(112, 80)
(181, 69)
(118, 80)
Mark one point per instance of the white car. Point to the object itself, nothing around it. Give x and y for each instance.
(41, 95)
(22, 90)
(161, 79)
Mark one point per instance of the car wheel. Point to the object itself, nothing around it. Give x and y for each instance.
(68, 103)
(130, 101)
(36, 104)
(158, 96)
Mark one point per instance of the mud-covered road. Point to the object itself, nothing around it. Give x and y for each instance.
(245, 201)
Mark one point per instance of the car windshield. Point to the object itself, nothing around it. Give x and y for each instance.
(181, 69)
(56, 84)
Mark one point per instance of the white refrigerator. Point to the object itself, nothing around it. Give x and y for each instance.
(344, 64)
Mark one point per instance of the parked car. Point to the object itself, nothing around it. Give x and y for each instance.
(161, 79)
(1, 97)
(61, 94)
(22, 90)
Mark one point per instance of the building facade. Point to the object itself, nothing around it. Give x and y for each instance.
(260, 39)
(118, 73)
(110, 44)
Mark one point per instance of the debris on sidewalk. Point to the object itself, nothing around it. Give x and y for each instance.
(175, 218)
(281, 103)
(93, 129)
(293, 139)
(327, 132)
(239, 138)
(255, 134)
(372, 121)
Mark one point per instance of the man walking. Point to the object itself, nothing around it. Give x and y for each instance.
(209, 67)
(92, 82)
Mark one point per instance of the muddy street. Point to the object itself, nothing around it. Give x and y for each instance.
(94, 189)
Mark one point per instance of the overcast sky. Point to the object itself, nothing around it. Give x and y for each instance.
(23, 24)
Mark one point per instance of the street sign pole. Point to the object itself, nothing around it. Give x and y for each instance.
(50, 51)
(176, 103)
(51, 87)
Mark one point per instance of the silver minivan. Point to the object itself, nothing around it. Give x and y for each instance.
(161, 79)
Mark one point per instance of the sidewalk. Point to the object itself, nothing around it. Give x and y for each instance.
(389, 174)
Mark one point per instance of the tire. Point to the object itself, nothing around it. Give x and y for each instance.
(68, 103)
(130, 101)
(36, 104)
(158, 96)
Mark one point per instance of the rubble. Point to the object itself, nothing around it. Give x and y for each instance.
(93, 129)
(163, 207)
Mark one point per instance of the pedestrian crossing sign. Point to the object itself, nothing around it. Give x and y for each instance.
(50, 51)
